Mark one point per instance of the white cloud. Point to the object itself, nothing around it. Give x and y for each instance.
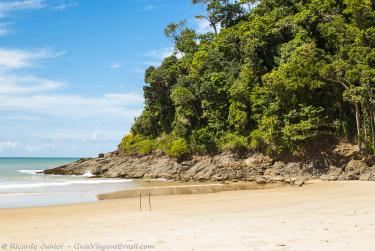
(122, 105)
(150, 7)
(160, 53)
(23, 94)
(14, 83)
(94, 135)
(22, 117)
(35, 147)
(3, 32)
(4, 29)
(65, 5)
(9, 6)
(8, 145)
(10, 84)
(18, 59)
(126, 98)
(79, 135)
(115, 66)
(157, 56)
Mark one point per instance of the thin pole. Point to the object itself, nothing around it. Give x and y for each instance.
(140, 202)
(149, 200)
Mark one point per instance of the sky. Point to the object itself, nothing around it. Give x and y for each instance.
(72, 71)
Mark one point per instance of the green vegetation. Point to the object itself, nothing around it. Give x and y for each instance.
(134, 144)
(179, 148)
(274, 76)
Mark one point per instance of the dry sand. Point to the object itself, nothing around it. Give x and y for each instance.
(320, 216)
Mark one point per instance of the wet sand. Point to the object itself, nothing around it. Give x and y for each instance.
(319, 216)
(175, 188)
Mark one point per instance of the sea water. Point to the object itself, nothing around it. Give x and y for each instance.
(22, 184)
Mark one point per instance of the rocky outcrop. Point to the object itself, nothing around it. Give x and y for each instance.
(342, 163)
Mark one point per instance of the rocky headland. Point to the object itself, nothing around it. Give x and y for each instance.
(342, 162)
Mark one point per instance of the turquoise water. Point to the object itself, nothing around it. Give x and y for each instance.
(21, 184)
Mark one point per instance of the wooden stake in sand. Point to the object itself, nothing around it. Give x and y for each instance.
(140, 202)
(149, 200)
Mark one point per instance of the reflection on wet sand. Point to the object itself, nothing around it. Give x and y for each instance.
(166, 188)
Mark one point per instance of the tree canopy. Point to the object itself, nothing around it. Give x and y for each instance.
(274, 76)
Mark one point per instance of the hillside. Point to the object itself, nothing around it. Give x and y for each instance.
(277, 77)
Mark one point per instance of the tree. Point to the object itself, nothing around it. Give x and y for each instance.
(186, 116)
(278, 77)
(221, 13)
(185, 39)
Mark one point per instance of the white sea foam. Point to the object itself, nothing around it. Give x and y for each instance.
(32, 172)
(64, 183)
(88, 174)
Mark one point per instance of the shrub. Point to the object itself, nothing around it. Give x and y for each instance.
(146, 146)
(234, 143)
(165, 142)
(203, 141)
(136, 144)
(179, 149)
(145, 125)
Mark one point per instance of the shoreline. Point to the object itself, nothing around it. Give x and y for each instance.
(320, 216)
(140, 187)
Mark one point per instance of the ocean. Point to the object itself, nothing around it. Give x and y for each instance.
(22, 186)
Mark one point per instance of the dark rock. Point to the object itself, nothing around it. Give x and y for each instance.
(325, 177)
(290, 181)
(299, 182)
(368, 174)
(335, 171)
(224, 167)
(352, 176)
(354, 169)
(366, 177)
(277, 179)
(261, 180)
(101, 155)
(333, 174)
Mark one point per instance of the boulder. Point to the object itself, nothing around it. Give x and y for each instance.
(258, 161)
(261, 180)
(356, 166)
(346, 150)
(332, 175)
(290, 181)
(354, 169)
(300, 182)
(368, 175)
(277, 179)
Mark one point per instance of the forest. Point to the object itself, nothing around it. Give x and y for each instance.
(278, 77)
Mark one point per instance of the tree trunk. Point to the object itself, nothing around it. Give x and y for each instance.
(372, 130)
(358, 122)
(364, 120)
(213, 25)
(364, 129)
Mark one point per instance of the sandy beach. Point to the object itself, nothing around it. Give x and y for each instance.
(318, 216)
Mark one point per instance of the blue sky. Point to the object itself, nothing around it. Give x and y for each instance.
(71, 72)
